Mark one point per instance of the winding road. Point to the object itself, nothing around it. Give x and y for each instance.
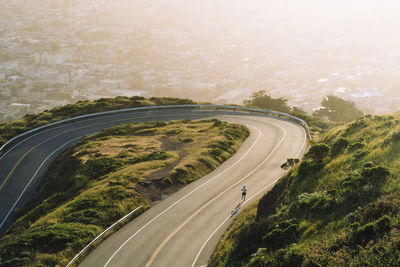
(183, 229)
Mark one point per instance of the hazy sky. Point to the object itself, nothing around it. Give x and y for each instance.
(288, 47)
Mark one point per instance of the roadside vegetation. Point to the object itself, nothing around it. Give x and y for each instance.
(338, 207)
(105, 176)
(30, 121)
(337, 109)
(317, 124)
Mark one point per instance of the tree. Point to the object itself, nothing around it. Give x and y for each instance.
(338, 109)
(298, 110)
(261, 100)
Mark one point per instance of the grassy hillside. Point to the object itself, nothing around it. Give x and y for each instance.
(30, 121)
(338, 207)
(106, 175)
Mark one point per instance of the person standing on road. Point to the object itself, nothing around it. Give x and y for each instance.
(244, 189)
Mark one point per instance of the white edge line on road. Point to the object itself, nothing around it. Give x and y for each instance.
(41, 132)
(194, 190)
(304, 144)
(227, 218)
(248, 175)
(26, 187)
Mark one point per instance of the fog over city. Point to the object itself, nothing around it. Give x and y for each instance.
(54, 52)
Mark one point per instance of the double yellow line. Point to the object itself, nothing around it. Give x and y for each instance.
(213, 199)
(51, 138)
(76, 129)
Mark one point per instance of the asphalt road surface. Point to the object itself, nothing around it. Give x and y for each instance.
(183, 229)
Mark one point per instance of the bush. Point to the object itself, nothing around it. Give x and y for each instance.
(376, 175)
(84, 203)
(376, 210)
(206, 163)
(363, 234)
(318, 152)
(360, 154)
(307, 168)
(282, 234)
(292, 256)
(339, 146)
(216, 154)
(259, 259)
(393, 138)
(370, 231)
(355, 147)
(97, 167)
(180, 174)
(314, 204)
(57, 236)
(116, 193)
(87, 216)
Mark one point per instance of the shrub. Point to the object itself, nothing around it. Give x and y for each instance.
(84, 203)
(339, 146)
(56, 236)
(98, 167)
(116, 193)
(292, 256)
(236, 132)
(360, 154)
(307, 168)
(376, 210)
(355, 147)
(216, 154)
(282, 234)
(376, 175)
(318, 152)
(370, 231)
(206, 163)
(180, 174)
(363, 234)
(87, 216)
(314, 204)
(259, 259)
(393, 138)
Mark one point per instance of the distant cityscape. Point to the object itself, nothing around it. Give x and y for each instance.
(55, 52)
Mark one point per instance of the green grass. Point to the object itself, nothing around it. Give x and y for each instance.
(13, 128)
(338, 207)
(105, 176)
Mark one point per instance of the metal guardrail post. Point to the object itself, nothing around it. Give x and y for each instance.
(101, 235)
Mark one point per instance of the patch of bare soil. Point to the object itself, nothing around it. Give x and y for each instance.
(154, 186)
(163, 172)
(156, 190)
(168, 144)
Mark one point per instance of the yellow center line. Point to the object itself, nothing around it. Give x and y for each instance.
(33, 148)
(212, 200)
(51, 138)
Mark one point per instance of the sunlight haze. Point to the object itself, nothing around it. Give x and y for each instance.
(58, 52)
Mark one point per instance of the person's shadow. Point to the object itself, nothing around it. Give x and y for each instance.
(236, 209)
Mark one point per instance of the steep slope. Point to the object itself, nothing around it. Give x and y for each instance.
(339, 206)
(106, 175)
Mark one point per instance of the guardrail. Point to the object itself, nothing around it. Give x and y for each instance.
(98, 114)
(101, 235)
